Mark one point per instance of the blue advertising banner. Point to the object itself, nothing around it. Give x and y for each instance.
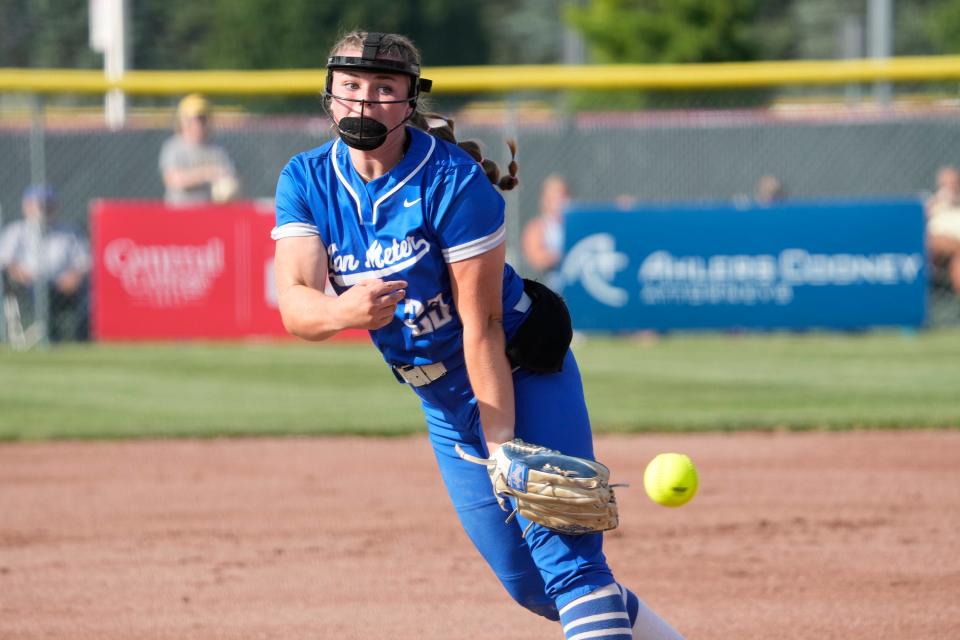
(823, 264)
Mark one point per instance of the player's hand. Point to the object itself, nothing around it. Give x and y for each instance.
(371, 304)
(212, 172)
(19, 275)
(68, 282)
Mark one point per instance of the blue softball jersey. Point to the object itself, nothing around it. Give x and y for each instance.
(435, 207)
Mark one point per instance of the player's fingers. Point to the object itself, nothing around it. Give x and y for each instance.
(382, 319)
(381, 288)
(391, 299)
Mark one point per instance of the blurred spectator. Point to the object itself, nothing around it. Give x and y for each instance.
(943, 224)
(194, 170)
(769, 190)
(626, 201)
(37, 249)
(542, 240)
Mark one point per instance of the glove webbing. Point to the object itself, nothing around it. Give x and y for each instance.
(553, 497)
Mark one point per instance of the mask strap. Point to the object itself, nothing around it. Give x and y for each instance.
(371, 46)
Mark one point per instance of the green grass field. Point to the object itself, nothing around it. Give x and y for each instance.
(682, 382)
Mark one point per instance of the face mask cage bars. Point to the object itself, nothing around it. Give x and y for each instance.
(369, 62)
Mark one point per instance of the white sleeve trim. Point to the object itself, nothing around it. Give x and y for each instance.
(475, 247)
(294, 230)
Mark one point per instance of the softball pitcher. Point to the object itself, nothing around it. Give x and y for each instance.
(410, 232)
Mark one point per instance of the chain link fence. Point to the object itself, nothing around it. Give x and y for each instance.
(698, 151)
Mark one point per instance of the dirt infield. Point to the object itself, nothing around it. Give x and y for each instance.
(816, 535)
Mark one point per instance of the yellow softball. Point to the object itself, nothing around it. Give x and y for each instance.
(671, 479)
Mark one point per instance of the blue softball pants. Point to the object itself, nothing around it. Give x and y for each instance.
(545, 570)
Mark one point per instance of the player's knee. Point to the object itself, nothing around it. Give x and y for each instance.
(538, 603)
(542, 607)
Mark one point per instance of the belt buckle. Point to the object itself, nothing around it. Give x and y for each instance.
(415, 375)
(418, 376)
(411, 374)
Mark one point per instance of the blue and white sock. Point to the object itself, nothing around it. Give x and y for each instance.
(646, 625)
(599, 614)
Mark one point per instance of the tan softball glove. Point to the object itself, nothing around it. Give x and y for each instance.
(564, 493)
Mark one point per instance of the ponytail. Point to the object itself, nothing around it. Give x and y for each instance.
(441, 127)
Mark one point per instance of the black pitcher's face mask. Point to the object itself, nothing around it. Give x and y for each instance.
(364, 132)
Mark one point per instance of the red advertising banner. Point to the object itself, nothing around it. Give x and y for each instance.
(197, 272)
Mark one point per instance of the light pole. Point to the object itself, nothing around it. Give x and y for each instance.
(880, 42)
(110, 35)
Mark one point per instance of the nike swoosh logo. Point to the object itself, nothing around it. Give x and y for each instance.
(408, 204)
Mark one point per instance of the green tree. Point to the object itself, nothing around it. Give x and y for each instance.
(45, 33)
(264, 34)
(667, 31)
(171, 34)
(671, 31)
(943, 22)
(526, 31)
(297, 34)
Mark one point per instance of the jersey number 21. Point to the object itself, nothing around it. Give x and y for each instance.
(423, 319)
